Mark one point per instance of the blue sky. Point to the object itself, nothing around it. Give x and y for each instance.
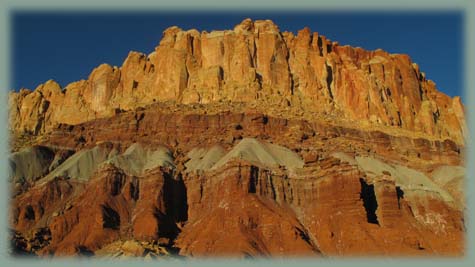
(67, 46)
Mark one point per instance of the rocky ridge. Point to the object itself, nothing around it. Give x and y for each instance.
(300, 75)
(240, 143)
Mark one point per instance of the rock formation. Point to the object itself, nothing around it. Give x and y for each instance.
(254, 62)
(248, 142)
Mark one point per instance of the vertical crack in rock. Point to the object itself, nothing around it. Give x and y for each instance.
(134, 188)
(320, 46)
(117, 183)
(421, 93)
(138, 118)
(436, 115)
(254, 177)
(292, 83)
(271, 183)
(369, 201)
(399, 119)
(201, 190)
(329, 79)
(400, 194)
(259, 79)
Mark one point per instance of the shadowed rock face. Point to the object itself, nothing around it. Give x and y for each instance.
(32, 163)
(250, 142)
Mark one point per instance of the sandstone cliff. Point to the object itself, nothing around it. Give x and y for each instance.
(240, 185)
(245, 143)
(304, 74)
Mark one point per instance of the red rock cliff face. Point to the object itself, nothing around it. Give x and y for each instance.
(335, 205)
(248, 142)
(254, 62)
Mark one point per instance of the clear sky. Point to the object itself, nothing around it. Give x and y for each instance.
(67, 46)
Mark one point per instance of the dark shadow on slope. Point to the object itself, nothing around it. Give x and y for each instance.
(329, 80)
(369, 201)
(111, 218)
(176, 210)
(254, 177)
(400, 194)
(175, 198)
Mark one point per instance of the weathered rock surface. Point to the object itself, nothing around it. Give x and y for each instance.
(342, 195)
(248, 142)
(254, 62)
(32, 163)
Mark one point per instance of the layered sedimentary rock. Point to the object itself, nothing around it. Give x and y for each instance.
(254, 62)
(241, 185)
(248, 142)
